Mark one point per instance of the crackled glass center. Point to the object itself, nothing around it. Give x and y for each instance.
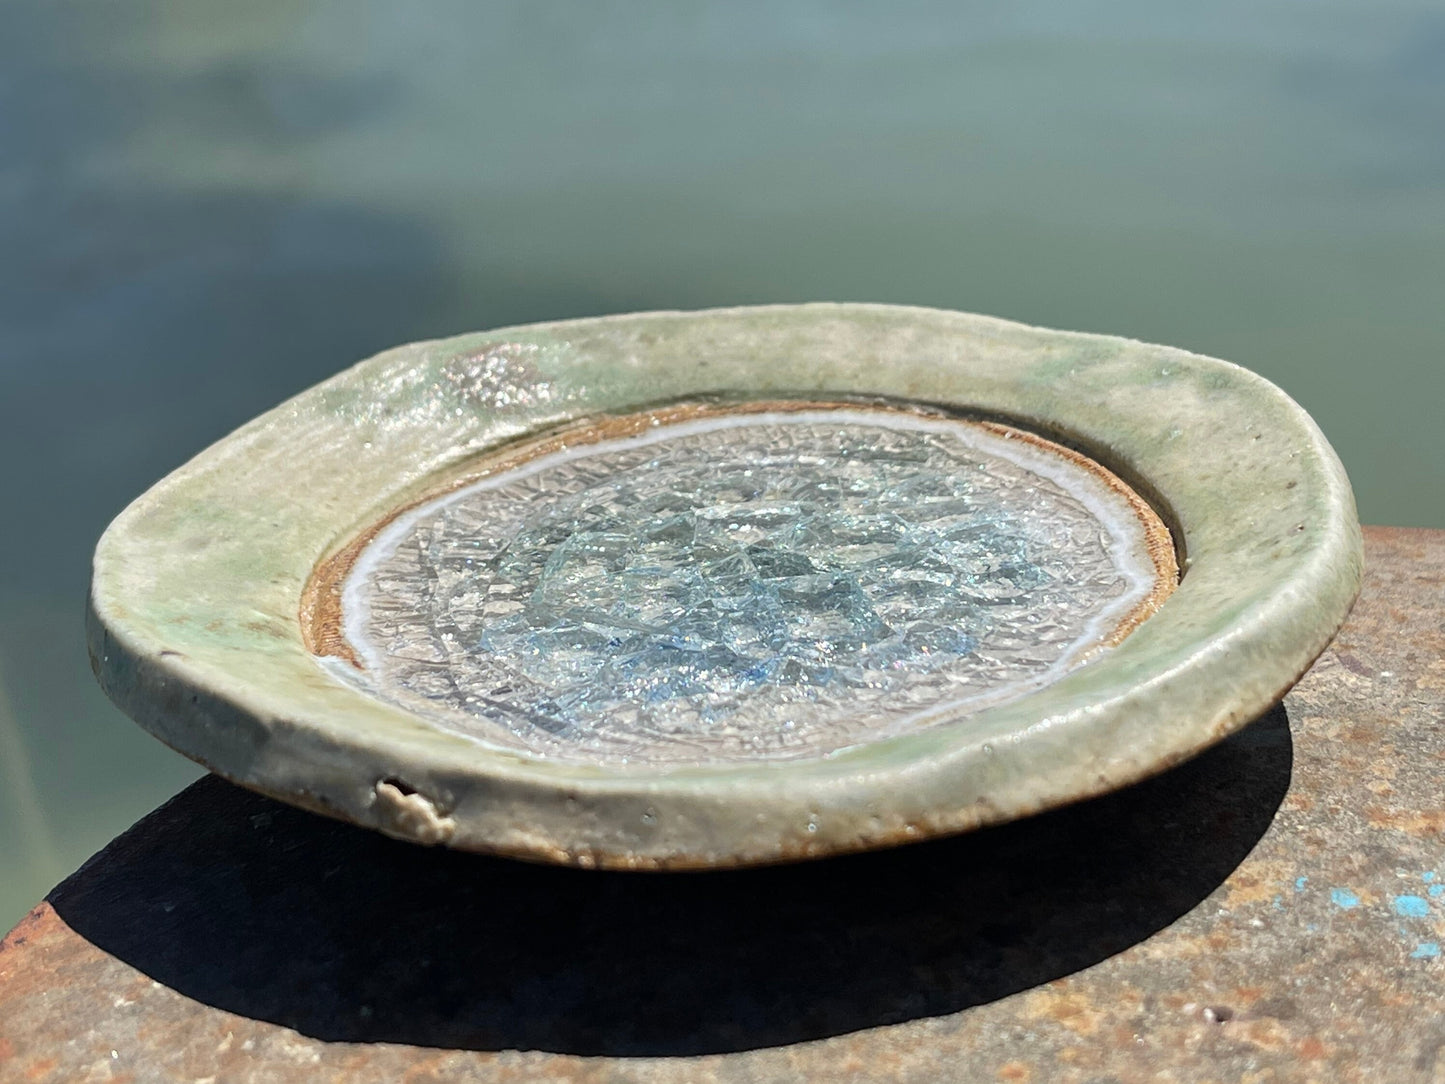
(746, 586)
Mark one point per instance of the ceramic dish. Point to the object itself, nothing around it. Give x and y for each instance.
(683, 590)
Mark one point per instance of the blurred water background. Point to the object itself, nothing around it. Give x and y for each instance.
(205, 207)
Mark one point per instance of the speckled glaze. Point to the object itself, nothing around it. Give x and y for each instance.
(196, 627)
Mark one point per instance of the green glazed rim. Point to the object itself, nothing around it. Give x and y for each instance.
(197, 628)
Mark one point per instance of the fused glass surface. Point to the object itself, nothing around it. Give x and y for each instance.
(743, 587)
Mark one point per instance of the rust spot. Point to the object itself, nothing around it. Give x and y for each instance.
(35, 923)
(1414, 821)
(1367, 731)
(1075, 1011)
(1256, 883)
(1310, 1048)
(1298, 802)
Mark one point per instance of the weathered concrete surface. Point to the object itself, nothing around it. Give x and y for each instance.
(1272, 911)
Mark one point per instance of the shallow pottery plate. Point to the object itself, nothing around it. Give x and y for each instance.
(675, 590)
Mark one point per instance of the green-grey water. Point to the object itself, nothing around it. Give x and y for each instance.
(206, 207)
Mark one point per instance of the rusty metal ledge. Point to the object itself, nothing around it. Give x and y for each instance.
(1272, 911)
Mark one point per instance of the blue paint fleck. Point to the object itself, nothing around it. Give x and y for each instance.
(1425, 950)
(1436, 891)
(1299, 883)
(1411, 906)
(1428, 876)
(1343, 897)
(1278, 903)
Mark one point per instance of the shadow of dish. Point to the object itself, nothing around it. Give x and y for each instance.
(255, 908)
